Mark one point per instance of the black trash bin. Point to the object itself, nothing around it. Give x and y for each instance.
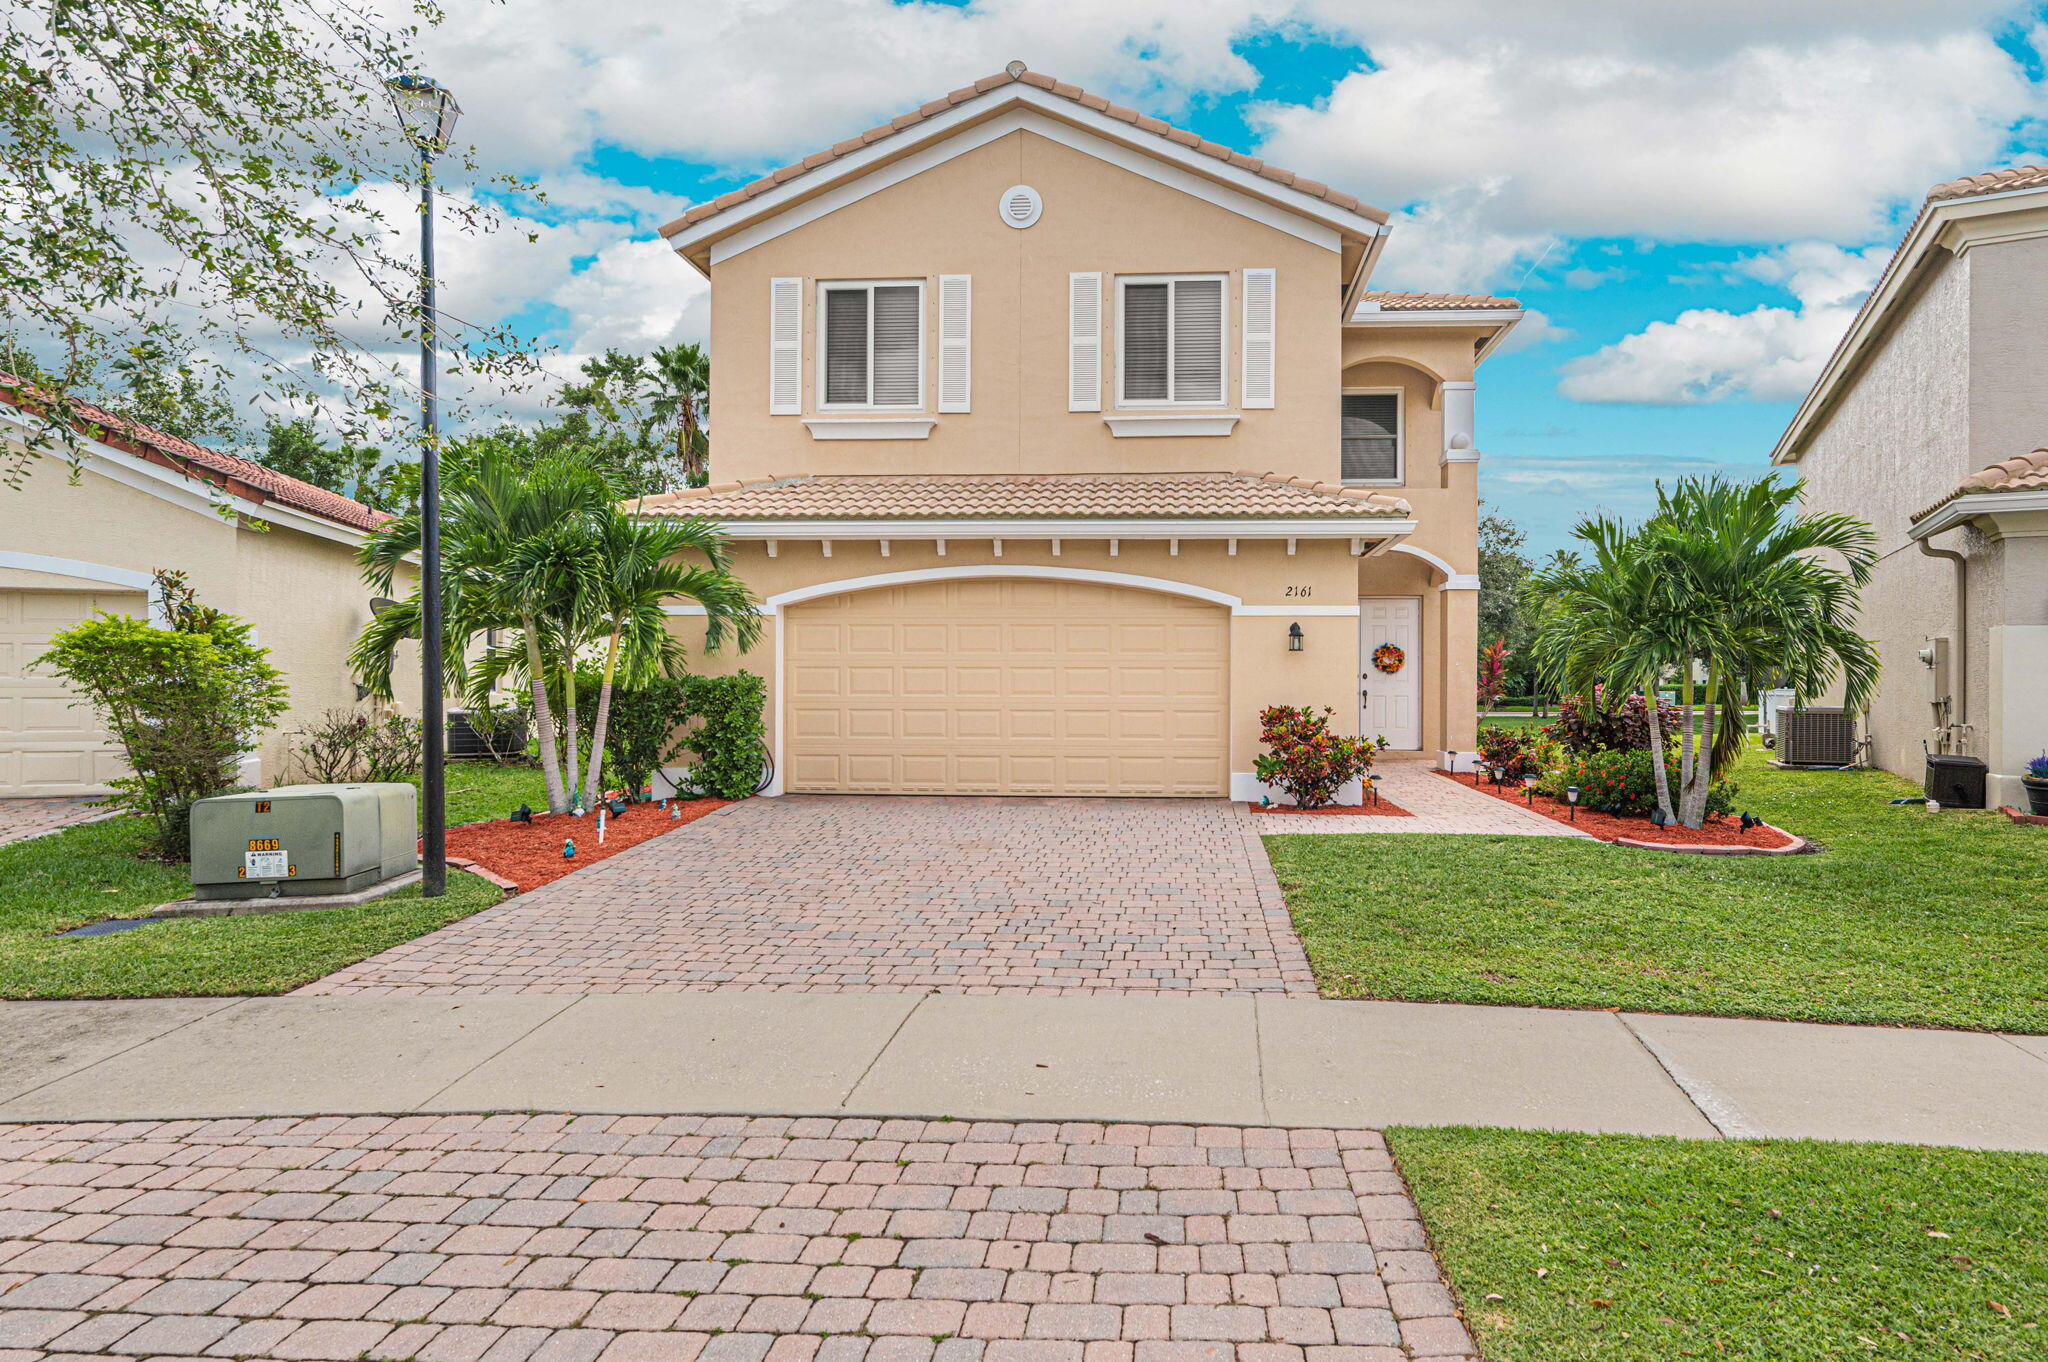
(1955, 782)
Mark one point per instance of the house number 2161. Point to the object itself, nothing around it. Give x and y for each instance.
(1301, 591)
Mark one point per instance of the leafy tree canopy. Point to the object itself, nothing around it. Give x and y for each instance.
(234, 172)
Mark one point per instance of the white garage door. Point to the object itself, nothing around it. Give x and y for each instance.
(1007, 686)
(48, 745)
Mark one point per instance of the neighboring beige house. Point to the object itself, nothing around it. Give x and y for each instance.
(278, 552)
(1059, 442)
(1927, 423)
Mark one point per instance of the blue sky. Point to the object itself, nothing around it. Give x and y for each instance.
(1691, 197)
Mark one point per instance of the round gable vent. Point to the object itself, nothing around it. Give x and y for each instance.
(1020, 205)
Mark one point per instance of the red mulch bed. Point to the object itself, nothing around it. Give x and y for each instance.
(1384, 809)
(530, 854)
(1719, 832)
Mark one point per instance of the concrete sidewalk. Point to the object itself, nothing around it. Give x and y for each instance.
(1248, 1061)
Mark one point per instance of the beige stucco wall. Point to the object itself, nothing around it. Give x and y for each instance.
(1263, 672)
(303, 593)
(1952, 387)
(1097, 217)
(1896, 441)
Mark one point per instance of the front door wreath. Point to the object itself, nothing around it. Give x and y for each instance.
(1389, 658)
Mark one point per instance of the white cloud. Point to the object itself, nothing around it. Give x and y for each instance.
(1449, 245)
(1709, 354)
(1764, 142)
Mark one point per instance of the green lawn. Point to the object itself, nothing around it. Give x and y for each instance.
(478, 791)
(1907, 917)
(1572, 1248)
(94, 872)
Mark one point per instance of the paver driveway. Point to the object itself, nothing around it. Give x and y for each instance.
(21, 819)
(852, 894)
(712, 1239)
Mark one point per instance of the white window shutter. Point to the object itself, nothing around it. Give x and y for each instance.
(1259, 339)
(785, 347)
(956, 328)
(1084, 342)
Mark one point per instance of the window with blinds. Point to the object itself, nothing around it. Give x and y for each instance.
(871, 347)
(1171, 350)
(1371, 434)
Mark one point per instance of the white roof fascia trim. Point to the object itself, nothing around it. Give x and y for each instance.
(1048, 527)
(1250, 195)
(1448, 316)
(1919, 238)
(1965, 509)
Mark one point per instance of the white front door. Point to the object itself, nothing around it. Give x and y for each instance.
(1390, 703)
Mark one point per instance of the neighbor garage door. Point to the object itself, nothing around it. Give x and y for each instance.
(1008, 686)
(48, 746)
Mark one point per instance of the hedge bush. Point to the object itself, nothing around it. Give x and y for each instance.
(1307, 760)
(729, 741)
(1624, 782)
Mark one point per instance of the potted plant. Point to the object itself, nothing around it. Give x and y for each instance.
(2036, 781)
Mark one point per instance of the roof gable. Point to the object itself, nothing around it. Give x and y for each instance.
(1017, 89)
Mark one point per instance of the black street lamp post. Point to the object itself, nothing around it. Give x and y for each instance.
(428, 113)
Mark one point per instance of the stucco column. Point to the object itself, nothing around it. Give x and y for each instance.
(1460, 604)
(1460, 421)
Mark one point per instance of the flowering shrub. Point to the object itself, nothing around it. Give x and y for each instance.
(1582, 726)
(1510, 751)
(1307, 760)
(1624, 782)
(1493, 673)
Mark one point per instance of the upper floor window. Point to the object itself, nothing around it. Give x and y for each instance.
(871, 344)
(1371, 437)
(1171, 349)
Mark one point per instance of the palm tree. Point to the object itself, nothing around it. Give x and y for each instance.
(681, 378)
(1746, 581)
(510, 560)
(638, 575)
(1725, 584)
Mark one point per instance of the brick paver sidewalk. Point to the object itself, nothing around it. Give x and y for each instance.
(712, 1239)
(21, 819)
(849, 894)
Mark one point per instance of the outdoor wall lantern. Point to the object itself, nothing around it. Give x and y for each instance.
(1529, 791)
(1294, 638)
(1571, 797)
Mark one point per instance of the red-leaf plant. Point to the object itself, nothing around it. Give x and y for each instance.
(1307, 760)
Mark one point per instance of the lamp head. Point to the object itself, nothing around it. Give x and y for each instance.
(426, 110)
(1294, 638)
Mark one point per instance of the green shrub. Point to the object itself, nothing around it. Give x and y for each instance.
(186, 702)
(640, 735)
(1624, 782)
(1307, 760)
(728, 740)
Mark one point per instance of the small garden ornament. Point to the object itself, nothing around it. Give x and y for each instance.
(568, 850)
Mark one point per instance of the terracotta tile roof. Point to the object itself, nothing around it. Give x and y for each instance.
(1426, 302)
(236, 474)
(1992, 182)
(1018, 75)
(841, 496)
(2026, 473)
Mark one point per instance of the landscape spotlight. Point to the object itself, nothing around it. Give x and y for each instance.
(1571, 797)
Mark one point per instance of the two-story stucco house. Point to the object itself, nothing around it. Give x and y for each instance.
(1928, 422)
(1059, 442)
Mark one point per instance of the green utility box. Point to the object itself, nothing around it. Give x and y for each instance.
(301, 840)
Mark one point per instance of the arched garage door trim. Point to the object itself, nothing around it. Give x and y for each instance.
(126, 578)
(947, 574)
